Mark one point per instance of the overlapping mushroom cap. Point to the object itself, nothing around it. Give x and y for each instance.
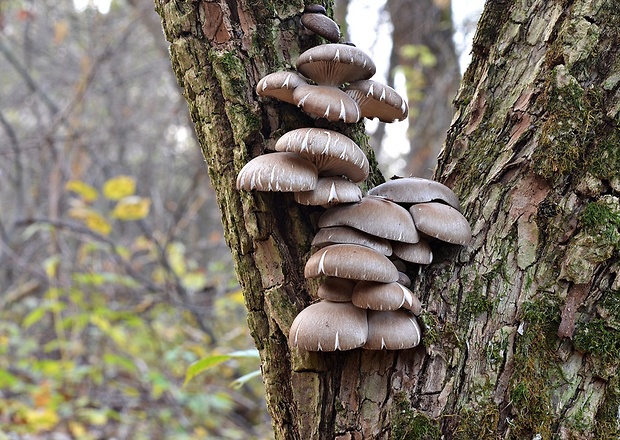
(282, 171)
(333, 153)
(377, 100)
(335, 64)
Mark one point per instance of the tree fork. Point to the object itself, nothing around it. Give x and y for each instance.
(533, 155)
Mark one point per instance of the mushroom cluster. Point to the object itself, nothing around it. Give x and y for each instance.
(363, 242)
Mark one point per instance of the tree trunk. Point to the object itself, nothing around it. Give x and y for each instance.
(423, 50)
(521, 328)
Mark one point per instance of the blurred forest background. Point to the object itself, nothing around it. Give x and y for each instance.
(120, 315)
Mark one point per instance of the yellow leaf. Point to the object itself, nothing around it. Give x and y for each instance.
(92, 219)
(132, 208)
(87, 192)
(61, 30)
(118, 187)
(41, 419)
(50, 264)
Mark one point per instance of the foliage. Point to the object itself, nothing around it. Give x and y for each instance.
(114, 274)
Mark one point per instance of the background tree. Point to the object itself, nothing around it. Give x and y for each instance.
(520, 327)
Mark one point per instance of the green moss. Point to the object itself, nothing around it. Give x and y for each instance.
(429, 327)
(231, 74)
(480, 423)
(476, 304)
(602, 219)
(597, 338)
(409, 424)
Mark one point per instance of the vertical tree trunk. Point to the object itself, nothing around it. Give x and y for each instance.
(424, 51)
(521, 328)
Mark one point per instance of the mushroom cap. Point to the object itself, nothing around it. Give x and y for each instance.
(347, 235)
(329, 326)
(335, 64)
(392, 330)
(280, 171)
(375, 216)
(336, 289)
(322, 25)
(419, 252)
(403, 279)
(351, 261)
(377, 100)
(330, 191)
(280, 85)
(333, 153)
(415, 190)
(384, 296)
(327, 102)
(442, 222)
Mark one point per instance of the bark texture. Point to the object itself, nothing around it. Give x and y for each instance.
(522, 327)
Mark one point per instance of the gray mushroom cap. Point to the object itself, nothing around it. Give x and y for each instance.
(336, 289)
(335, 64)
(419, 253)
(392, 330)
(408, 190)
(442, 222)
(347, 235)
(282, 171)
(327, 102)
(280, 85)
(351, 261)
(377, 100)
(329, 326)
(333, 153)
(322, 25)
(375, 216)
(384, 296)
(330, 191)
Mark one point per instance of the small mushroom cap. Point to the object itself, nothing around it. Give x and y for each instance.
(329, 326)
(280, 85)
(333, 153)
(315, 8)
(375, 216)
(336, 289)
(384, 296)
(351, 261)
(403, 279)
(327, 102)
(392, 330)
(347, 235)
(419, 253)
(408, 190)
(287, 172)
(335, 64)
(330, 191)
(322, 25)
(377, 100)
(442, 222)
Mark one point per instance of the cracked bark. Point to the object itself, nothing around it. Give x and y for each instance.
(542, 89)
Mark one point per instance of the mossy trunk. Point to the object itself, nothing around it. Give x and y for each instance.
(522, 328)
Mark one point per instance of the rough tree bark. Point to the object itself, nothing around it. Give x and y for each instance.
(522, 328)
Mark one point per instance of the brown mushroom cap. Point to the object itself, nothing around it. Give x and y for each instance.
(329, 326)
(384, 296)
(336, 289)
(335, 64)
(415, 190)
(278, 172)
(330, 191)
(442, 222)
(280, 85)
(377, 100)
(351, 261)
(392, 330)
(347, 235)
(333, 153)
(403, 279)
(327, 102)
(322, 25)
(419, 252)
(375, 216)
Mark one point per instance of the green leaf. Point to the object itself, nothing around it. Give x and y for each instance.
(33, 317)
(215, 359)
(239, 382)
